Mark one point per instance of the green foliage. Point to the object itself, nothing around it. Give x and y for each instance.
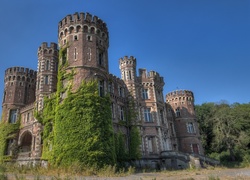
(134, 134)
(63, 55)
(204, 114)
(7, 131)
(121, 153)
(83, 129)
(135, 142)
(225, 131)
(48, 119)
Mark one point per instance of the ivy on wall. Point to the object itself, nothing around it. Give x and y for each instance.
(83, 129)
(7, 131)
(77, 126)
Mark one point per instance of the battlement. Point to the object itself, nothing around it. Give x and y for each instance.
(180, 93)
(150, 75)
(114, 78)
(20, 74)
(127, 60)
(44, 45)
(44, 48)
(20, 71)
(82, 18)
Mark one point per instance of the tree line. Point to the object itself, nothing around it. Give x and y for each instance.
(225, 131)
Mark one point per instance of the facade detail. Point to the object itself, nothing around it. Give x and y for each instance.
(165, 125)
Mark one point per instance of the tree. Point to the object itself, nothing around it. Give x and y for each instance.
(231, 127)
(204, 114)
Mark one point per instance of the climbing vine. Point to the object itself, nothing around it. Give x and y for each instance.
(7, 131)
(133, 131)
(78, 126)
(83, 129)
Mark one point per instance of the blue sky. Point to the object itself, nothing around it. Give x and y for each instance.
(199, 45)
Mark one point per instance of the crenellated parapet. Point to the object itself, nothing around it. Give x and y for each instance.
(44, 49)
(20, 74)
(127, 61)
(180, 95)
(82, 22)
(152, 76)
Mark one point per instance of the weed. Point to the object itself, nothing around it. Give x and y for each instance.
(212, 177)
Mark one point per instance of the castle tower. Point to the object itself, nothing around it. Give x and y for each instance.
(47, 72)
(152, 113)
(127, 67)
(19, 90)
(187, 131)
(84, 42)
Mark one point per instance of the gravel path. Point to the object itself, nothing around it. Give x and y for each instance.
(204, 174)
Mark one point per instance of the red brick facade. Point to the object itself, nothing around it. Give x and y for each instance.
(170, 126)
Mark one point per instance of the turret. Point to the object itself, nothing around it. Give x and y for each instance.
(187, 131)
(19, 90)
(127, 67)
(84, 40)
(47, 71)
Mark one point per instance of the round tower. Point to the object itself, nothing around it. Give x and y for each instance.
(47, 71)
(84, 42)
(19, 90)
(187, 131)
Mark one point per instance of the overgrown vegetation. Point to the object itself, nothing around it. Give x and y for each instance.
(78, 127)
(225, 131)
(8, 131)
(83, 129)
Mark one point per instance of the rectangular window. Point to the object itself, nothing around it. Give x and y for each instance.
(101, 88)
(172, 129)
(47, 65)
(75, 53)
(89, 38)
(13, 116)
(110, 87)
(121, 91)
(129, 75)
(28, 117)
(147, 115)
(46, 79)
(190, 127)
(122, 113)
(177, 112)
(145, 94)
(151, 145)
(100, 59)
(89, 54)
(162, 116)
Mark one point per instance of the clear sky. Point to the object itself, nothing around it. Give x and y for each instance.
(199, 45)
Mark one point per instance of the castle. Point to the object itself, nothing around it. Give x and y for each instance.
(167, 126)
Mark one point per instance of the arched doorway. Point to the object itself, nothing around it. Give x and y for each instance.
(26, 142)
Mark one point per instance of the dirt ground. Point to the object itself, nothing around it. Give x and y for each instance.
(203, 174)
